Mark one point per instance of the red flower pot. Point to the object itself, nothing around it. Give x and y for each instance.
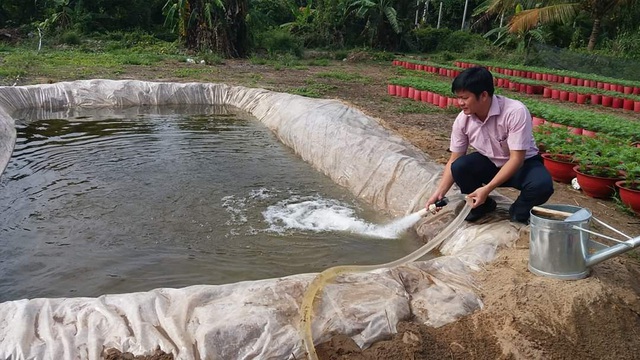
(627, 104)
(628, 89)
(595, 99)
(442, 102)
(546, 92)
(417, 94)
(589, 133)
(636, 106)
(391, 89)
(537, 121)
(575, 130)
(596, 186)
(560, 167)
(607, 100)
(555, 94)
(617, 103)
(573, 97)
(580, 82)
(404, 91)
(629, 196)
(564, 95)
(430, 97)
(424, 95)
(581, 99)
(435, 99)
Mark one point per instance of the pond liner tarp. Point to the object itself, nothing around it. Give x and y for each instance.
(258, 319)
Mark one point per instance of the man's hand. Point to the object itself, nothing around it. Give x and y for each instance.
(432, 200)
(479, 196)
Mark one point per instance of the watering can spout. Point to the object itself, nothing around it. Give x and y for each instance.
(612, 251)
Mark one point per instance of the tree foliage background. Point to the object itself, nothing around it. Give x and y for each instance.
(238, 28)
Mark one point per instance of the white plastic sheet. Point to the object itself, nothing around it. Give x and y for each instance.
(257, 319)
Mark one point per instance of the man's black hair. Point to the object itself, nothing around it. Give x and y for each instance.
(475, 80)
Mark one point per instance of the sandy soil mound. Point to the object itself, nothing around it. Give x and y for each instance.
(526, 317)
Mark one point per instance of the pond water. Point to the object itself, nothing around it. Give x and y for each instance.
(112, 201)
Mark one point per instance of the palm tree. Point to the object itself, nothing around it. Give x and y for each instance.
(537, 13)
(214, 25)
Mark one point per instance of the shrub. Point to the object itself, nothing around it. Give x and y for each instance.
(427, 39)
(70, 38)
(278, 41)
(461, 41)
(211, 58)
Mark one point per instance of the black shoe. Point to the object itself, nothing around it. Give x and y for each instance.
(482, 210)
(521, 221)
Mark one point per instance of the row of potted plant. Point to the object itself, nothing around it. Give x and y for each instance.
(557, 76)
(588, 121)
(421, 89)
(581, 120)
(576, 94)
(600, 165)
(428, 66)
(602, 97)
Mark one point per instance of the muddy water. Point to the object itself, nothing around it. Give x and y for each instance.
(130, 200)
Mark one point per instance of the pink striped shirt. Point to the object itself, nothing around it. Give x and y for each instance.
(508, 127)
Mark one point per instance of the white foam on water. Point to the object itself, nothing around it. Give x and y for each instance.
(324, 215)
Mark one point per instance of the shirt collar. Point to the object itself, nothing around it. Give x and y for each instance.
(494, 110)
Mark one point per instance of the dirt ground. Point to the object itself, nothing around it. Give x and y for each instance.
(525, 316)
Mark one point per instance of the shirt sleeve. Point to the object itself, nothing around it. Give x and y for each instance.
(520, 129)
(459, 140)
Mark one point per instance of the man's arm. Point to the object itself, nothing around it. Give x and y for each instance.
(446, 182)
(516, 159)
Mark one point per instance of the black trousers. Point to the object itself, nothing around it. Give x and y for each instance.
(473, 170)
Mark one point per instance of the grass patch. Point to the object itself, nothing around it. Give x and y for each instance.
(314, 90)
(195, 71)
(319, 62)
(344, 76)
(76, 63)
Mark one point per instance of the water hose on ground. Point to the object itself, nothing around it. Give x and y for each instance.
(306, 307)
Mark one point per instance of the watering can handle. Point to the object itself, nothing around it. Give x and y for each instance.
(551, 211)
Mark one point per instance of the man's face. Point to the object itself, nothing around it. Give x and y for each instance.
(471, 104)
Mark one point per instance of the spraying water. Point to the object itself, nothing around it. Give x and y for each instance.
(323, 215)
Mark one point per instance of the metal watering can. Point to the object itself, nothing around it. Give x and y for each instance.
(560, 246)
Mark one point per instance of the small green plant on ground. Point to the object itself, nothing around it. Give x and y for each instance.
(314, 90)
(344, 76)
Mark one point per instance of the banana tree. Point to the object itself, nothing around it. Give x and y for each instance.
(210, 25)
(378, 16)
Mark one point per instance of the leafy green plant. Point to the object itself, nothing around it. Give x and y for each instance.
(344, 76)
(70, 38)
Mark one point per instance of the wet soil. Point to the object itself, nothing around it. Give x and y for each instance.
(524, 316)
